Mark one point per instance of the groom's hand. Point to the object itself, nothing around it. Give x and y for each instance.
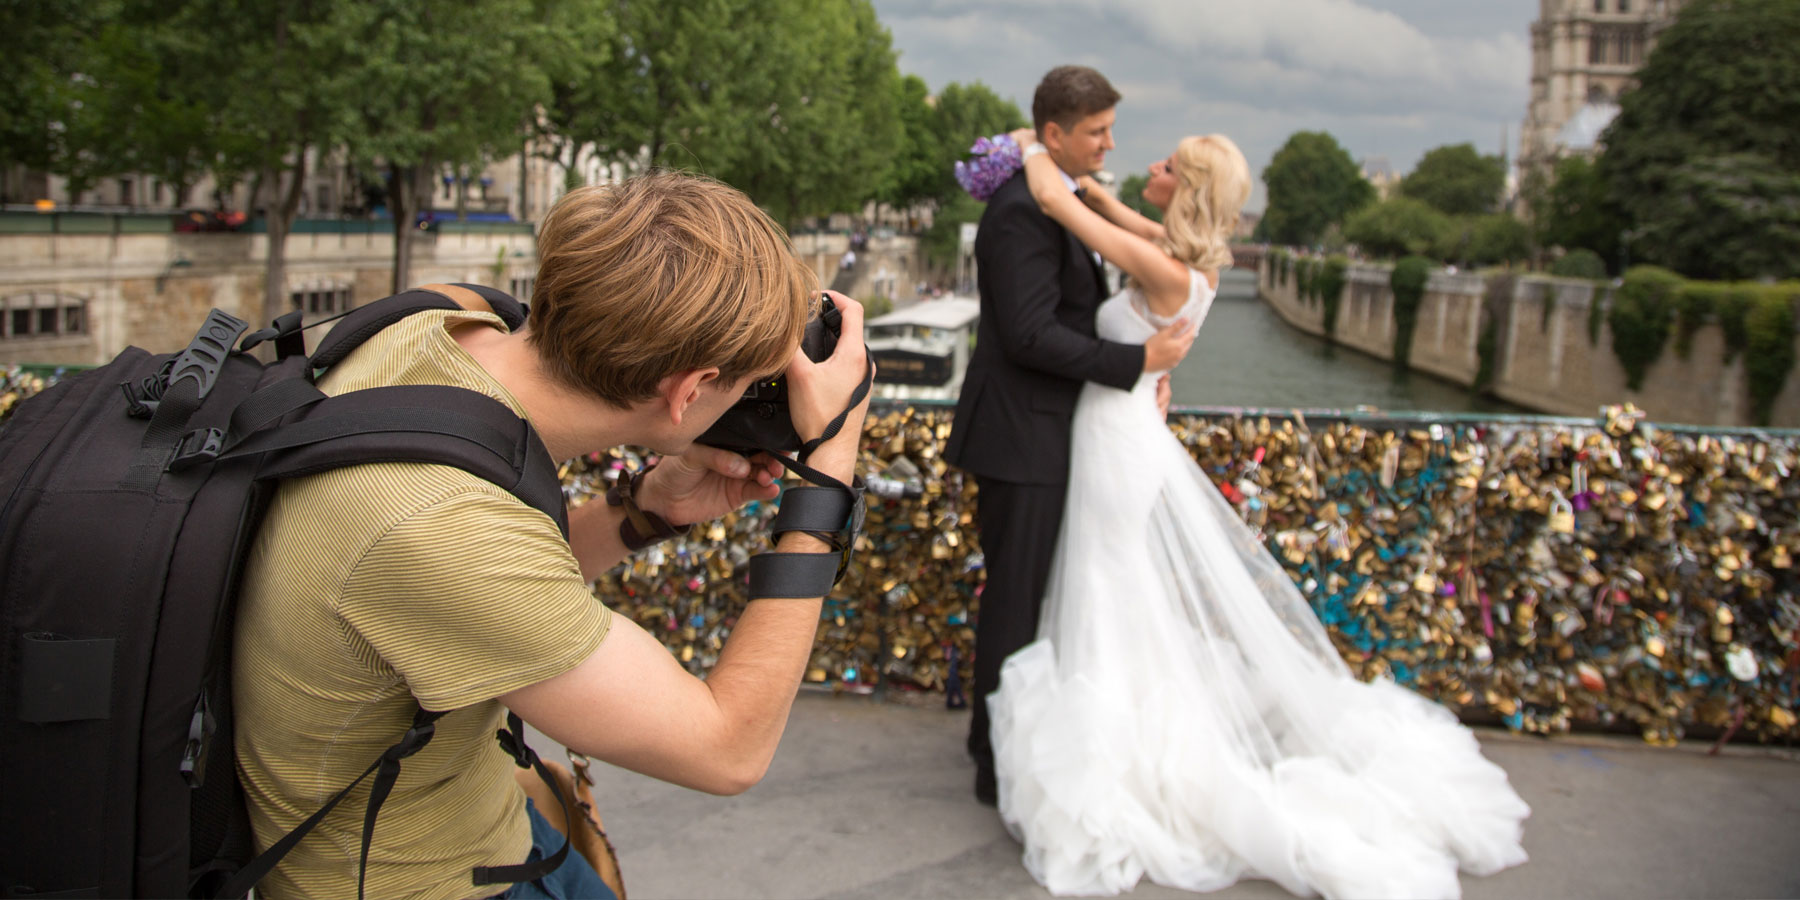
(1166, 348)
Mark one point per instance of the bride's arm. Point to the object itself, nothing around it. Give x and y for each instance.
(1118, 213)
(1162, 278)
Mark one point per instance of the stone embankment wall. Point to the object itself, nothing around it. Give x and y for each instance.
(1546, 356)
(153, 290)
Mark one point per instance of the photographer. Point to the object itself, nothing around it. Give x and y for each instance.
(658, 301)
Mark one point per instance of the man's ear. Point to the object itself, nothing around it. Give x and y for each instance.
(682, 389)
(1052, 135)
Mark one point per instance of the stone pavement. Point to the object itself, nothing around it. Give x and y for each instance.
(872, 800)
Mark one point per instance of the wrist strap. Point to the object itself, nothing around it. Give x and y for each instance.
(640, 528)
(793, 575)
(832, 515)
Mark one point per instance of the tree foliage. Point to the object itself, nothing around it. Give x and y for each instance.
(438, 84)
(1575, 213)
(1498, 238)
(1131, 191)
(1398, 226)
(1312, 183)
(1456, 180)
(1704, 157)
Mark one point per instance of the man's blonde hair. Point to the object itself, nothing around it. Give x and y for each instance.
(1212, 183)
(660, 274)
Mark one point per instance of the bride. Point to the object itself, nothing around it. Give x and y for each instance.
(1182, 714)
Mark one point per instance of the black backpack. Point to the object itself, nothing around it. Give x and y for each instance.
(131, 495)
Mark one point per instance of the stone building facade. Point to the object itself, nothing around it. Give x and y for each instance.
(1584, 54)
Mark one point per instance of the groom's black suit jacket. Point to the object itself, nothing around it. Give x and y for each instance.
(1035, 344)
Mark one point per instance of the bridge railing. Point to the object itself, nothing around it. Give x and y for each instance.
(1546, 573)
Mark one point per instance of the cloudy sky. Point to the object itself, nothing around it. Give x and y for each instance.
(1387, 78)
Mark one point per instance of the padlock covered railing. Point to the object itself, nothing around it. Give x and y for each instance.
(1659, 593)
(1547, 573)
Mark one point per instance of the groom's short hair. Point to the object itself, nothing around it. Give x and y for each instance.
(1068, 94)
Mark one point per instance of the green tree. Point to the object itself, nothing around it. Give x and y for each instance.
(1131, 190)
(1498, 238)
(1575, 212)
(915, 175)
(813, 129)
(1312, 182)
(1709, 126)
(795, 102)
(1456, 180)
(1397, 226)
(43, 43)
(965, 112)
(577, 57)
(439, 84)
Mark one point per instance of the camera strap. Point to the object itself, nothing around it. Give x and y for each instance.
(826, 508)
(798, 465)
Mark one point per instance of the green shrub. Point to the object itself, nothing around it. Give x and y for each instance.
(1498, 238)
(1330, 286)
(1408, 283)
(1497, 296)
(1643, 312)
(1733, 313)
(1395, 227)
(1550, 291)
(1696, 302)
(1580, 263)
(1769, 355)
(1303, 274)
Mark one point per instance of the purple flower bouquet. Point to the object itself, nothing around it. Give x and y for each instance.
(995, 160)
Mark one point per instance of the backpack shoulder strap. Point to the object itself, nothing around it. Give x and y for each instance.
(415, 423)
(363, 322)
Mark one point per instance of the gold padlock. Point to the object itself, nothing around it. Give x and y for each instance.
(1562, 513)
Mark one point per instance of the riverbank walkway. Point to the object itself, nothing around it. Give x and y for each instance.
(871, 799)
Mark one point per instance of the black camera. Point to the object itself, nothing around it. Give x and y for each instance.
(760, 420)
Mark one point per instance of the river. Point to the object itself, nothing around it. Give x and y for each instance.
(1246, 356)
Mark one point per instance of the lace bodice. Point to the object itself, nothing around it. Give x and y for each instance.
(1126, 316)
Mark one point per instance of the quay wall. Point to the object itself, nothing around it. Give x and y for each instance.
(1547, 357)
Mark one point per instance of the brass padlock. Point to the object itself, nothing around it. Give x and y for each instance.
(1561, 518)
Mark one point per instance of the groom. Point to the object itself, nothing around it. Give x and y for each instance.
(1034, 347)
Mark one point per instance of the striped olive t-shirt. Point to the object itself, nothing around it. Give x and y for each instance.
(373, 585)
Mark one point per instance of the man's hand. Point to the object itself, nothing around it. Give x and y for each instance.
(705, 483)
(1163, 395)
(1166, 348)
(819, 391)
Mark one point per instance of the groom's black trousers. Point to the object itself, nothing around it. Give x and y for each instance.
(1019, 525)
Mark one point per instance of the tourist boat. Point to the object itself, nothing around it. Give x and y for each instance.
(922, 350)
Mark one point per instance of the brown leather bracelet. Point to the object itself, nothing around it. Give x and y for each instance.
(640, 528)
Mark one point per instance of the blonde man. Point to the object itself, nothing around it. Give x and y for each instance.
(380, 586)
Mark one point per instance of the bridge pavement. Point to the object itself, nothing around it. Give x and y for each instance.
(872, 800)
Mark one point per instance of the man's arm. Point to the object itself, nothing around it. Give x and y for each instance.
(632, 705)
(1025, 282)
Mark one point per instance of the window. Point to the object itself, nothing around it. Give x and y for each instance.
(321, 301)
(1624, 5)
(1599, 5)
(43, 315)
(1596, 49)
(521, 288)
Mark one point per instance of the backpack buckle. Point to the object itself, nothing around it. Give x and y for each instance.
(197, 446)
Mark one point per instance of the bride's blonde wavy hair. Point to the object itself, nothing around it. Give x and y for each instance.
(1212, 183)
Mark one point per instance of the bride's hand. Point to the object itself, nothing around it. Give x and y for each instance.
(1024, 137)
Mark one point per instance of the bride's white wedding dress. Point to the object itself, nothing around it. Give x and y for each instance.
(1182, 714)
